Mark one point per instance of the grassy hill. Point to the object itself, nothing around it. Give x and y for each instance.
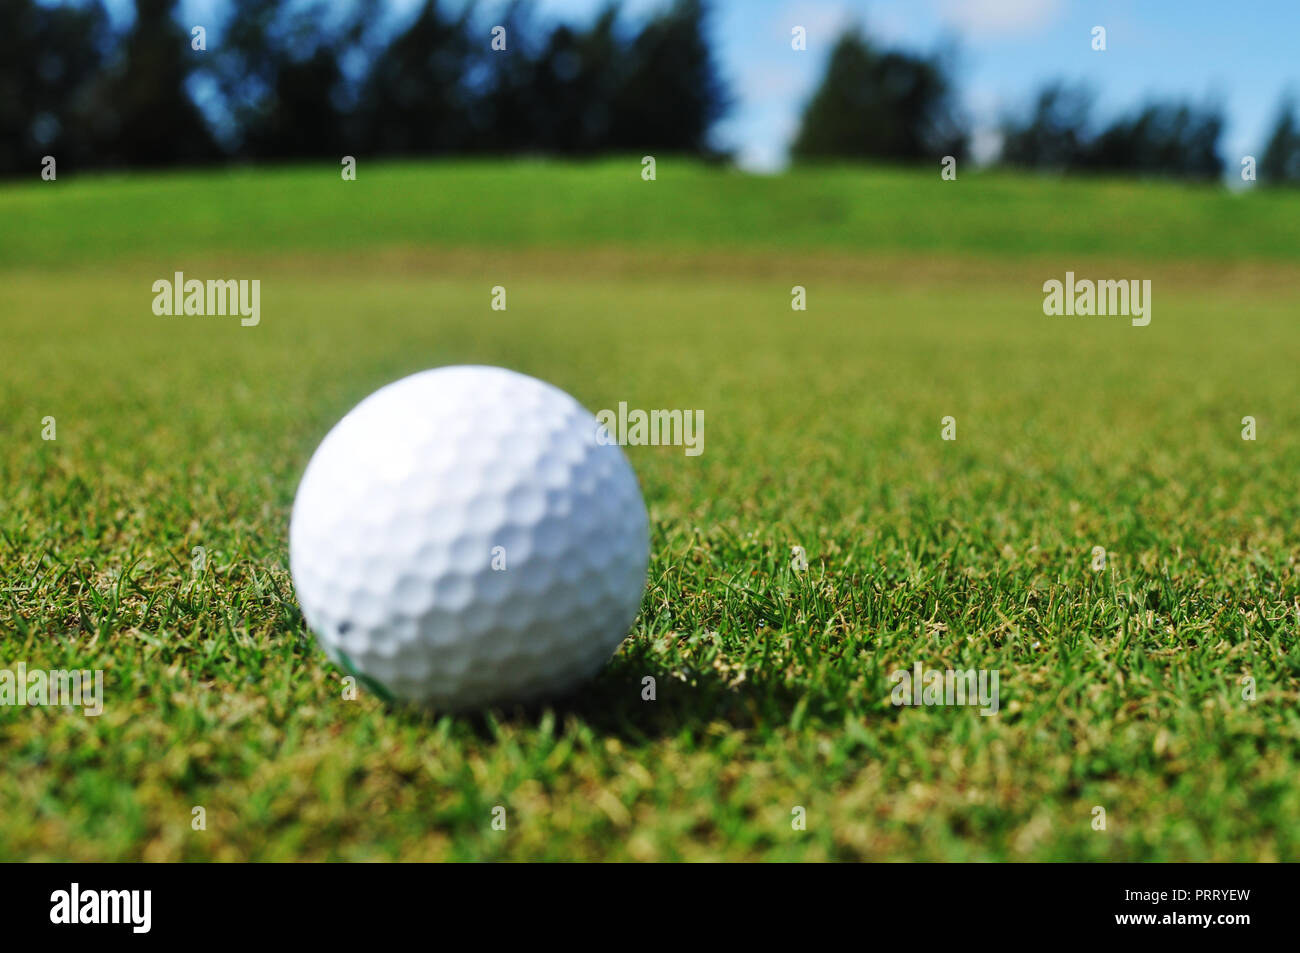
(690, 207)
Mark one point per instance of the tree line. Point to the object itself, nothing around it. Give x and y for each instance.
(893, 105)
(279, 81)
(293, 81)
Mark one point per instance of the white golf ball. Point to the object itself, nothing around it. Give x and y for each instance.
(462, 538)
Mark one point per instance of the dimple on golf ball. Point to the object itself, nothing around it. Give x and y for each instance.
(462, 537)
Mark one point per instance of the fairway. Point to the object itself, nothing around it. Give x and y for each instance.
(1159, 684)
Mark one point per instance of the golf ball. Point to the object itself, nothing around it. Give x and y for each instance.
(463, 538)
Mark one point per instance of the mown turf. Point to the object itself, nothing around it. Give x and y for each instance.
(1120, 688)
(688, 208)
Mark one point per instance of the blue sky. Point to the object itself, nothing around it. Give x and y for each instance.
(1243, 54)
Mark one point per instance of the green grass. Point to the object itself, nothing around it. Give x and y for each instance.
(688, 208)
(1120, 688)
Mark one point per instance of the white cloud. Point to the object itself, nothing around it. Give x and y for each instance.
(985, 144)
(823, 20)
(1000, 17)
(763, 81)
